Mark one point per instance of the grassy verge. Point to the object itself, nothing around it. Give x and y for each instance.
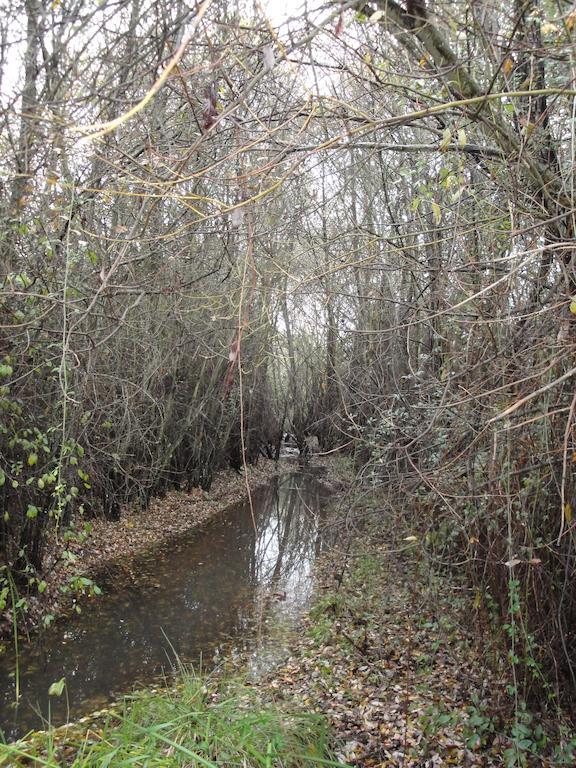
(203, 721)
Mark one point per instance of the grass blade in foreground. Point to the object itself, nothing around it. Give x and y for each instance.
(201, 722)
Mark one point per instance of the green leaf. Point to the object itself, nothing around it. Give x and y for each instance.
(415, 204)
(2, 478)
(446, 139)
(461, 137)
(42, 586)
(437, 212)
(32, 511)
(6, 370)
(56, 689)
(32, 459)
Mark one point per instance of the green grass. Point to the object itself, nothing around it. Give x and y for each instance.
(200, 723)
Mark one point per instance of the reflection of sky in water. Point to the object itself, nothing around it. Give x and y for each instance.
(285, 548)
(193, 596)
(285, 552)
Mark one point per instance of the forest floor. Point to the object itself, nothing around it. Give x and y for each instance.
(407, 668)
(396, 660)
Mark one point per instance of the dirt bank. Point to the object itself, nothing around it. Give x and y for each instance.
(398, 657)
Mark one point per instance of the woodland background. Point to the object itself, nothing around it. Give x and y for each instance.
(218, 223)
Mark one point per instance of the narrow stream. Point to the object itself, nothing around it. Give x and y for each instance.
(219, 585)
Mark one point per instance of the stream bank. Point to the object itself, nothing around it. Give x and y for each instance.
(186, 602)
(405, 666)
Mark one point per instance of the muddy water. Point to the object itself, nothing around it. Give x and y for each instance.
(220, 585)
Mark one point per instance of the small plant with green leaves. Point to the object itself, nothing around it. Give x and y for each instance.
(322, 616)
(527, 738)
(480, 727)
(565, 751)
(435, 719)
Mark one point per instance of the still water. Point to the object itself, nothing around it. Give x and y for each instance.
(221, 585)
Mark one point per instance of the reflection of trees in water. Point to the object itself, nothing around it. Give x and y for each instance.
(203, 591)
(288, 538)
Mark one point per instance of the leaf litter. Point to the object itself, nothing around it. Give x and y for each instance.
(395, 656)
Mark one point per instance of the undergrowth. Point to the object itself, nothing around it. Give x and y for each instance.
(419, 675)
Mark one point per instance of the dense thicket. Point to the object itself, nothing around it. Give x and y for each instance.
(129, 274)
(359, 223)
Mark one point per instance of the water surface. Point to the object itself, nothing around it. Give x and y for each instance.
(225, 582)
